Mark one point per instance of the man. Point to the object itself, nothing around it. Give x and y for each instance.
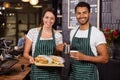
(21, 42)
(89, 44)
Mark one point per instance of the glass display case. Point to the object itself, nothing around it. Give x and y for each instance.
(17, 23)
(11, 26)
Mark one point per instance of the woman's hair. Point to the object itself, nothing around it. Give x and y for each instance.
(83, 4)
(48, 9)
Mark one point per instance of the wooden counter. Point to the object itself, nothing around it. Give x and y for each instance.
(16, 72)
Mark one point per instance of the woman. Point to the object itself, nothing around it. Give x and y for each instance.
(43, 41)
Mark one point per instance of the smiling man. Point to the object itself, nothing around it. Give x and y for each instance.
(90, 45)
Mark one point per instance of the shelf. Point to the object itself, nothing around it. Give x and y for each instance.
(59, 16)
(59, 30)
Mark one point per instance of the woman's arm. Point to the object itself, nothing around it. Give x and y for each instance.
(60, 47)
(27, 49)
(59, 42)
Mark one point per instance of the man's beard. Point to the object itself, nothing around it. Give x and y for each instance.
(84, 22)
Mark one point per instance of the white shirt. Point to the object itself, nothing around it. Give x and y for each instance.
(33, 34)
(97, 37)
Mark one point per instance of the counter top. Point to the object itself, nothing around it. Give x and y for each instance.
(16, 73)
(110, 70)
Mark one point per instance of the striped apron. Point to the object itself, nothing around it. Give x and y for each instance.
(82, 70)
(44, 47)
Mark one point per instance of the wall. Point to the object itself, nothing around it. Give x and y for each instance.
(65, 29)
(110, 14)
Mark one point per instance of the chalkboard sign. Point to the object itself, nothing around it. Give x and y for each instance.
(94, 18)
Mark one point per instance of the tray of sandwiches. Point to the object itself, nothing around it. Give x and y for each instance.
(49, 61)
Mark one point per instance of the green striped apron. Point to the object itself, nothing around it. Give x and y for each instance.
(44, 47)
(82, 70)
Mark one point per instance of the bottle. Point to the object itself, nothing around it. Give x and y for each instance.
(58, 11)
(67, 49)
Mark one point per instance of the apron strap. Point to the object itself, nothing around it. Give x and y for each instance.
(38, 37)
(89, 31)
(75, 33)
(39, 34)
(53, 35)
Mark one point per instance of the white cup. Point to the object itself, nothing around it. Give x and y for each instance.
(73, 51)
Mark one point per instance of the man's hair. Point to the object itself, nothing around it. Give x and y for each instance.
(83, 4)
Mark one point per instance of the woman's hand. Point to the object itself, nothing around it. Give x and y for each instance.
(60, 47)
(31, 60)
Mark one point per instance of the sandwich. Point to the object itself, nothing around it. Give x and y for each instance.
(57, 59)
(43, 59)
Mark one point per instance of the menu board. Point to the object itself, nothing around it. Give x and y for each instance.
(94, 18)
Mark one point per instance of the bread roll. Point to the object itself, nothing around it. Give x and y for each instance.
(57, 59)
(43, 59)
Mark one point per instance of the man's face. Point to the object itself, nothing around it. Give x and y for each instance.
(82, 15)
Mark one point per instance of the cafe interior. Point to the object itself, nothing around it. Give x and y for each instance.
(18, 16)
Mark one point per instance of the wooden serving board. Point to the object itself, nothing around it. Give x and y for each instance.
(49, 65)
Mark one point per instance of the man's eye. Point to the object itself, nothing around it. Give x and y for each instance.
(84, 12)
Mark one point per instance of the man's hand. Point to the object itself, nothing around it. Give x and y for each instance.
(77, 55)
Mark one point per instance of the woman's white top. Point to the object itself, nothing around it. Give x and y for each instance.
(33, 35)
(97, 37)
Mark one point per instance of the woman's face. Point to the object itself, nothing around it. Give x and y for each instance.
(48, 19)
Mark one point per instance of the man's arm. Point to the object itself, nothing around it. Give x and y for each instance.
(101, 58)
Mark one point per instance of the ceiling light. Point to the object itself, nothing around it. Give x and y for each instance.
(25, 0)
(6, 4)
(0, 13)
(33, 2)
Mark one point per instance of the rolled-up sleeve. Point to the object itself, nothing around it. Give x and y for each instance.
(58, 38)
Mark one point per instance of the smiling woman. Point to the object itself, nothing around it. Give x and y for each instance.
(43, 44)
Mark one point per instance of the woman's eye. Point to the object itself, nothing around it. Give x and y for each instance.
(52, 18)
(46, 17)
